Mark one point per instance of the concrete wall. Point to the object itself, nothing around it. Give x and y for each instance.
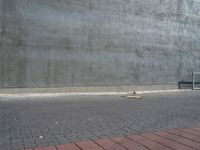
(70, 43)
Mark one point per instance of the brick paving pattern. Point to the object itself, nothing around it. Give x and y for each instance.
(163, 140)
(27, 123)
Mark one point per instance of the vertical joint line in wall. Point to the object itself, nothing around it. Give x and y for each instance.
(48, 66)
(3, 19)
(2, 70)
(193, 79)
(26, 65)
(72, 77)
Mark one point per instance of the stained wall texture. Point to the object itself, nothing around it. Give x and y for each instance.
(67, 43)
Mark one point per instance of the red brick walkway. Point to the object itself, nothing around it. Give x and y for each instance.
(179, 139)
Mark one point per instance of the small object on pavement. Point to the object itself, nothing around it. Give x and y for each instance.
(134, 97)
(41, 137)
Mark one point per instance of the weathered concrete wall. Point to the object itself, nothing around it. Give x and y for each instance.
(50, 43)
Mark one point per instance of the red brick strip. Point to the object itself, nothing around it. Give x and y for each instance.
(148, 143)
(192, 131)
(68, 147)
(185, 135)
(166, 142)
(109, 145)
(46, 148)
(198, 129)
(89, 145)
(128, 144)
(179, 139)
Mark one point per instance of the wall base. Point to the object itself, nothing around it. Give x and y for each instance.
(87, 89)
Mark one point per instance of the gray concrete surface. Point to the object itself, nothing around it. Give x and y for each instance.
(31, 122)
(70, 43)
(89, 90)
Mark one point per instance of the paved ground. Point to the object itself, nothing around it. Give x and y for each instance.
(39, 122)
(179, 139)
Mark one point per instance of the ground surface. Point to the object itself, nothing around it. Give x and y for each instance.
(177, 139)
(38, 122)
